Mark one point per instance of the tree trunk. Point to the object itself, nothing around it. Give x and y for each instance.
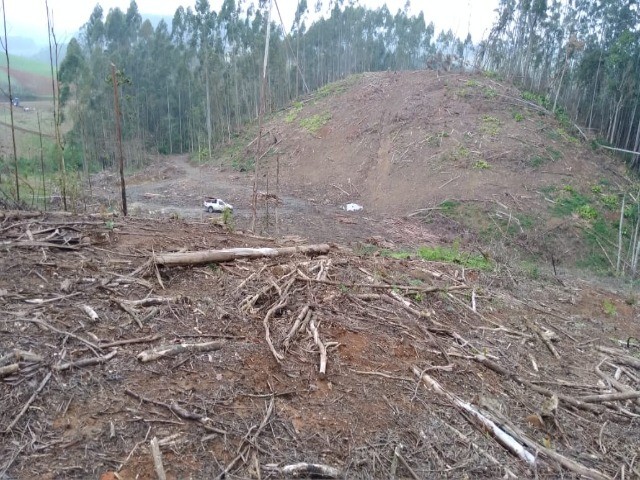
(13, 132)
(227, 255)
(119, 139)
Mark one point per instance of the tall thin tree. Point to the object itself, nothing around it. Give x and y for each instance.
(57, 118)
(116, 104)
(5, 46)
(263, 91)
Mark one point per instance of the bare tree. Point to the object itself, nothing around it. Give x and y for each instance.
(116, 103)
(5, 46)
(57, 118)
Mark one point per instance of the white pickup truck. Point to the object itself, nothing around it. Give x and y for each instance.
(216, 205)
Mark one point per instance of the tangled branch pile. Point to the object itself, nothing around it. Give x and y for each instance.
(333, 365)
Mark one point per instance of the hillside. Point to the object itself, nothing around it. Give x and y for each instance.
(29, 78)
(475, 158)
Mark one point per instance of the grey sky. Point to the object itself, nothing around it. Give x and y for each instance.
(28, 17)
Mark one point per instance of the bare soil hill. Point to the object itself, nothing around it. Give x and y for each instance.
(398, 141)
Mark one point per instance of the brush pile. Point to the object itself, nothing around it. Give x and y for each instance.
(296, 361)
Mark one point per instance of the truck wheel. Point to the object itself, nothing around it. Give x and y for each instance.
(210, 209)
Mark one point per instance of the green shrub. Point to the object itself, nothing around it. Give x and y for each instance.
(587, 212)
(316, 122)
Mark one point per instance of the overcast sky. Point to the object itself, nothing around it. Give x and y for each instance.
(28, 17)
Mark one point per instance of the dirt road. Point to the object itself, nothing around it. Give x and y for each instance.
(176, 187)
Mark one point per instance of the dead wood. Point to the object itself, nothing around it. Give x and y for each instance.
(478, 419)
(463, 438)
(320, 345)
(179, 411)
(267, 334)
(313, 470)
(621, 356)
(248, 441)
(151, 301)
(173, 350)
(9, 369)
(611, 397)
(157, 459)
(28, 404)
(91, 312)
(130, 341)
(45, 325)
(553, 455)
(544, 391)
(85, 362)
(232, 254)
(38, 244)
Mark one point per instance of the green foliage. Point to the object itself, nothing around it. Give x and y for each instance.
(538, 99)
(447, 254)
(587, 212)
(481, 165)
(293, 112)
(227, 218)
(449, 206)
(489, 93)
(596, 189)
(531, 269)
(609, 308)
(454, 255)
(436, 139)
(518, 117)
(316, 122)
(610, 201)
(490, 125)
(493, 75)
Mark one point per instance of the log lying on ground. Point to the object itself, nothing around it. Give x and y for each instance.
(230, 254)
(173, 350)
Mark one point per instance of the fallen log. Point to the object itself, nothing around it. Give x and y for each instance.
(173, 350)
(231, 254)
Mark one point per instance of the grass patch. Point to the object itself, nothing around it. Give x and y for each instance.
(449, 206)
(316, 122)
(293, 112)
(454, 255)
(481, 165)
(490, 125)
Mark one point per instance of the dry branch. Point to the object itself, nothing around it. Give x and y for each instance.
(312, 470)
(621, 356)
(157, 459)
(173, 350)
(91, 312)
(179, 411)
(85, 362)
(544, 391)
(479, 419)
(129, 341)
(320, 345)
(231, 254)
(267, 335)
(151, 301)
(9, 369)
(611, 397)
(92, 346)
(29, 402)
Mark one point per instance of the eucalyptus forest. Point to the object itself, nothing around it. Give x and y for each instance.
(189, 85)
